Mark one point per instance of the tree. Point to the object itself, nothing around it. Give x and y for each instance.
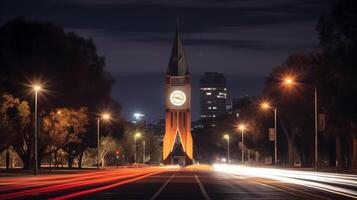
(65, 128)
(295, 104)
(69, 66)
(107, 144)
(16, 129)
(338, 39)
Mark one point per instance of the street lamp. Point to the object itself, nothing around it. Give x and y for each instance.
(104, 117)
(266, 106)
(36, 88)
(226, 136)
(242, 128)
(137, 135)
(144, 152)
(289, 81)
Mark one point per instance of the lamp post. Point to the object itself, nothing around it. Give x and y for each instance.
(143, 151)
(105, 117)
(266, 106)
(242, 127)
(316, 130)
(36, 88)
(137, 135)
(289, 81)
(226, 136)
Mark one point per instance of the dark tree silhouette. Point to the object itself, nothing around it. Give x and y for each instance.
(69, 66)
(338, 38)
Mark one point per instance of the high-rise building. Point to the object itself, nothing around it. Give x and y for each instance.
(213, 97)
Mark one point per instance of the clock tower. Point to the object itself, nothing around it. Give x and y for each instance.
(177, 144)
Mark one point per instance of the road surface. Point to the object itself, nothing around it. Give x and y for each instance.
(175, 183)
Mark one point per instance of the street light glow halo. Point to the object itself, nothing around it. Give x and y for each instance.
(137, 134)
(265, 105)
(106, 116)
(288, 80)
(241, 126)
(36, 87)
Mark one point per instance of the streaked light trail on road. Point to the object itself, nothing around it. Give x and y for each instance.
(341, 184)
(81, 183)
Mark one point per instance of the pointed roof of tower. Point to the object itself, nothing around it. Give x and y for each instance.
(177, 64)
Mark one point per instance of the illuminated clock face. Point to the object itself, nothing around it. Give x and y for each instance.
(177, 98)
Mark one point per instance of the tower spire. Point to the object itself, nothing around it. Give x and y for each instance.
(177, 64)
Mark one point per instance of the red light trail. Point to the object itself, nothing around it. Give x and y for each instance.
(84, 183)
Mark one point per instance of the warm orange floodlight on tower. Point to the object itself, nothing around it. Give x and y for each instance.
(177, 144)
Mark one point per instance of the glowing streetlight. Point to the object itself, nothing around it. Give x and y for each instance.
(137, 135)
(266, 106)
(226, 136)
(242, 127)
(36, 88)
(290, 81)
(104, 117)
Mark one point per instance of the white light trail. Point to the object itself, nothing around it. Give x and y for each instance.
(331, 182)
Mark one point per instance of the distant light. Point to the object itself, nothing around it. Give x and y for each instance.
(226, 136)
(138, 115)
(137, 135)
(265, 105)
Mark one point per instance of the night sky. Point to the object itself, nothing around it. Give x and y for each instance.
(243, 39)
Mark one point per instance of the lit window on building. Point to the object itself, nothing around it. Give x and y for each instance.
(208, 93)
(221, 96)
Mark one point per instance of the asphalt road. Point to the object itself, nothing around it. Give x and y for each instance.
(157, 183)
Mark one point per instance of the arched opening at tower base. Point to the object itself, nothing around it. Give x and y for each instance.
(178, 155)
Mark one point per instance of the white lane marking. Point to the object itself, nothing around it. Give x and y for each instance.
(204, 193)
(162, 187)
